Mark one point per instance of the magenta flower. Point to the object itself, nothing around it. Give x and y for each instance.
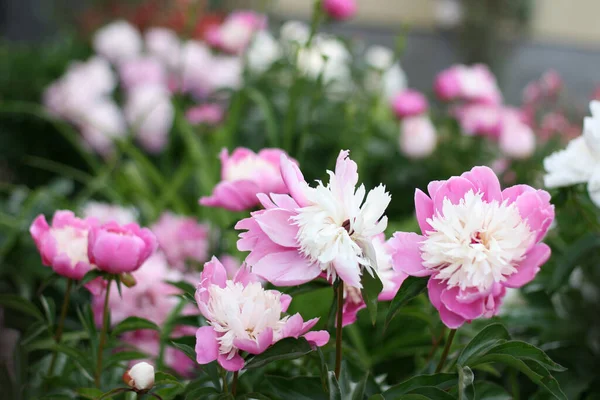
(243, 316)
(476, 241)
(236, 32)
(209, 114)
(390, 278)
(340, 9)
(181, 239)
(244, 174)
(409, 103)
(63, 246)
(313, 230)
(469, 83)
(118, 248)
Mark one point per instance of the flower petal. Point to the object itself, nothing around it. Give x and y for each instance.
(262, 342)
(424, 210)
(529, 267)
(406, 254)
(486, 182)
(207, 346)
(286, 268)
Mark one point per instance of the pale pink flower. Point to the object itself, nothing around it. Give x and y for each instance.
(340, 9)
(63, 245)
(409, 103)
(390, 278)
(164, 44)
(418, 138)
(181, 239)
(244, 174)
(326, 229)
(118, 248)
(118, 41)
(235, 33)
(142, 71)
(105, 212)
(209, 114)
(469, 83)
(243, 316)
(517, 139)
(480, 119)
(476, 241)
(100, 125)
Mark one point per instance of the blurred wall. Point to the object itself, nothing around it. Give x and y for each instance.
(560, 21)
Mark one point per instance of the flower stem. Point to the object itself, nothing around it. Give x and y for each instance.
(446, 350)
(338, 327)
(224, 377)
(61, 323)
(105, 323)
(234, 383)
(435, 344)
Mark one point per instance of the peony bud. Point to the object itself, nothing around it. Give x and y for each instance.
(409, 103)
(340, 9)
(128, 280)
(140, 376)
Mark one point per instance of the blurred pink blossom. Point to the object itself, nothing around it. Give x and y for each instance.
(118, 41)
(418, 138)
(235, 33)
(209, 114)
(181, 239)
(340, 9)
(473, 83)
(142, 71)
(409, 103)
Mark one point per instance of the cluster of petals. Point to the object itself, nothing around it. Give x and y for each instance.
(340, 9)
(243, 316)
(468, 83)
(236, 32)
(244, 174)
(418, 138)
(477, 240)
(390, 278)
(181, 239)
(326, 229)
(579, 162)
(409, 103)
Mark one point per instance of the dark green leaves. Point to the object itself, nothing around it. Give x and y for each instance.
(191, 353)
(440, 381)
(488, 337)
(133, 324)
(298, 388)
(410, 288)
(20, 304)
(286, 349)
(372, 286)
(573, 255)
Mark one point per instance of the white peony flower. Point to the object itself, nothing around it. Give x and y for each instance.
(386, 76)
(100, 124)
(263, 52)
(106, 212)
(140, 376)
(580, 161)
(118, 41)
(164, 44)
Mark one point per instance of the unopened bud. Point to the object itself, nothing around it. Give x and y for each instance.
(140, 376)
(128, 280)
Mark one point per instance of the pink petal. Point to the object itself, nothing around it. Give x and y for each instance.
(294, 180)
(512, 193)
(435, 287)
(424, 210)
(348, 270)
(207, 346)
(214, 272)
(292, 327)
(285, 301)
(535, 207)
(318, 338)
(234, 364)
(264, 340)
(276, 224)
(406, 254)
(433, 187)
(486, 182)
(284, 201)
(454, 189)
(245, 276)
(467, 311)
(306, 326)
(450, 319)
(529, 267)
(286, 268)
(346, 170)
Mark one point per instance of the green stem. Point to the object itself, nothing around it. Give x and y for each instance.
(338, 329)
(224, 378)
(234, 383)
(105, 323)
(446, 350)
(61, 323)
(435, 344)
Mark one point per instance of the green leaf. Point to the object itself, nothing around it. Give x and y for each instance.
(169, 393)
(114, 392)
(532, 369)
(572, 256)
(133, 324)
(191, 353)
(466, 391)
(285, 349)
(125, 356)
(74, 354)
(410, 288)
(335, 393)
(433, 393)
(89, 393)
(185, 287)
(372, 286)
(49, 309)
(522, 350)
(20, 304)
(201, 393)
(91, 275)
(489, 336)
(162, 378)
(359, 390)
(490, 391)
(306, 288)
(441, 381)
(297, 388)
(270, 121)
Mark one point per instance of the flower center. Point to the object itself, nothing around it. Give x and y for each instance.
(243, 312)
(475, 243)
(73, 242)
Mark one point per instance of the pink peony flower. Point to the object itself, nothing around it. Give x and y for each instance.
(165, 45)
(63, 246)
(409, 103)
(243, 316)
(142, 71)
(417, 137)
(390, 278)
(118, 248)
(313, 230)
(181, 239)
(118, 41)
(480, 119)
(209, 114)
(517, 139)
(236, 32)
(340, 9)
(476, 241)
(469, 83)
(106, 212)
(244, 174)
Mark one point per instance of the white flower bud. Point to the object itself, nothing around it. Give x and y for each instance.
(140, 376)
